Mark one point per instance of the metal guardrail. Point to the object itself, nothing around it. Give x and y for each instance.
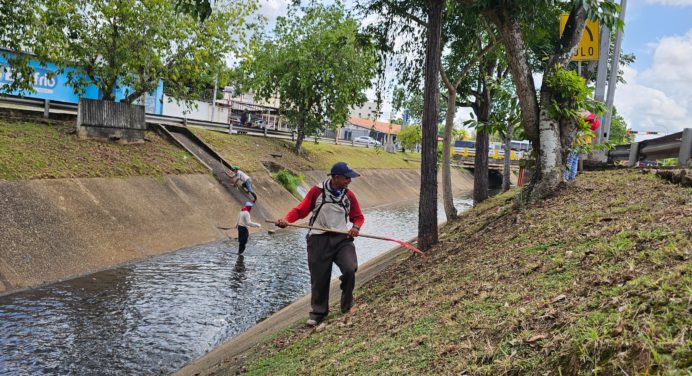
(676, 145)
(47, 106)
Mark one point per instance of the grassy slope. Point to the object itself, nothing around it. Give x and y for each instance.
(593, 281)
(33, 150)
(248, 152)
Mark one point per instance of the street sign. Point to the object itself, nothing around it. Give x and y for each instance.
(588, 45)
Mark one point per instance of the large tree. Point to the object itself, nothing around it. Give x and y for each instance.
(414, 26)
(318, 63)
(128, 46)
(549, 116)
(427, 208)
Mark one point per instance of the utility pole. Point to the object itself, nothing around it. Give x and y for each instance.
(612, 83)
(601, 72)
(213, 100)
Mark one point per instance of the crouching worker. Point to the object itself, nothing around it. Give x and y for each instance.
(245, 181)
(244, 221)
(332, 206)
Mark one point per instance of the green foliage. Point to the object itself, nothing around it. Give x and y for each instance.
(17, 24)
(413, 101)
(618, 130)
(505, 109)
(288, 180)
(200, 9)
(130, 45)
(317, 63)
(668, 162)
(461, 134)
(571, 94)
(410, 136)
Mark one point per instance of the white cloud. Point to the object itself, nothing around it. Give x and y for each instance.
(273, 9)
(658, 98)
(670, 2)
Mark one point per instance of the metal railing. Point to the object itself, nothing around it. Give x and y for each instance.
(48, 106)
(676, 145)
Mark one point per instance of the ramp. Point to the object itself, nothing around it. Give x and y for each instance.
(213, 160)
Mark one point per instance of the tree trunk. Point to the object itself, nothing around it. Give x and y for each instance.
(517, 58)
(506, 173)
(299, 138)
(447, 195)
(484, 103)
(550, 165)
(480, 170)
(427, 209)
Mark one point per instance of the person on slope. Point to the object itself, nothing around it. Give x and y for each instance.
(245, 181)
(332, 206)
(244, 221)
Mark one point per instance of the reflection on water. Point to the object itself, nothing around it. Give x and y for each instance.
(154, 316)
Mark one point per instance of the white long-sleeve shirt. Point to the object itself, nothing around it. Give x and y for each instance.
(245, 220)
(242, 176)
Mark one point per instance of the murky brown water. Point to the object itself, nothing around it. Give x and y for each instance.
(155, 316)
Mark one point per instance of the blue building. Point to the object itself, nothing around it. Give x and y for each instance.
(48, 84)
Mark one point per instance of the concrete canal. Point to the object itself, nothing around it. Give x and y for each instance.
(154, 316)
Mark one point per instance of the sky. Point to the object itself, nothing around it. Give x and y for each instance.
(657, 95)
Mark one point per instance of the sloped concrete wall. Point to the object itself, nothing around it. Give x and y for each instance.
(54, 229)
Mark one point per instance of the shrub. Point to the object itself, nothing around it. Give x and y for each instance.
(288, 180)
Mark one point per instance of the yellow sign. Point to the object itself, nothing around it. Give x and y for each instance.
(588, 45)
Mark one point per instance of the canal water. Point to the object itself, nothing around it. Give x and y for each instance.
(154, 316)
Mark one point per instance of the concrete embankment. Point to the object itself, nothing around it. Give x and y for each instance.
(61, 228)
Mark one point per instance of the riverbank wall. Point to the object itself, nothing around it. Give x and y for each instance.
(56, 229)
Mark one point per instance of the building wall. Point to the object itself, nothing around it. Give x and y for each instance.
(52, 86)
(367, 111)
(201, 112)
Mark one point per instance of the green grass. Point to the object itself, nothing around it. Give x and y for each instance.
(567, 287)
(288, 180)
(35, 150)
(248, 152)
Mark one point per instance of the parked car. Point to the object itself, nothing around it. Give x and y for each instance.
(367, 140)
(261, 124)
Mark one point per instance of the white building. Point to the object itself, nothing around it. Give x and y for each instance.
(367, 111)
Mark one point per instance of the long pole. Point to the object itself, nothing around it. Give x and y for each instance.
(213, 100)
(614, 67)
(602, 71)
(407, 245)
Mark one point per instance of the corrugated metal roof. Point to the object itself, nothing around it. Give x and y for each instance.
(380, 126)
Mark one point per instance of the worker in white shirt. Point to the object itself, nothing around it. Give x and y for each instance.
(244, 221)
(245, 180)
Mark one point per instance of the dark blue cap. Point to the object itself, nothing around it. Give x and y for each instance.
(341, 168)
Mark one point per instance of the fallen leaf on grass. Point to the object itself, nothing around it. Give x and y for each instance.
(558, 298)
(536, 338)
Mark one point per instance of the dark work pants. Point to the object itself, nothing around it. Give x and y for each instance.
(323, 250)
(243, 236)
